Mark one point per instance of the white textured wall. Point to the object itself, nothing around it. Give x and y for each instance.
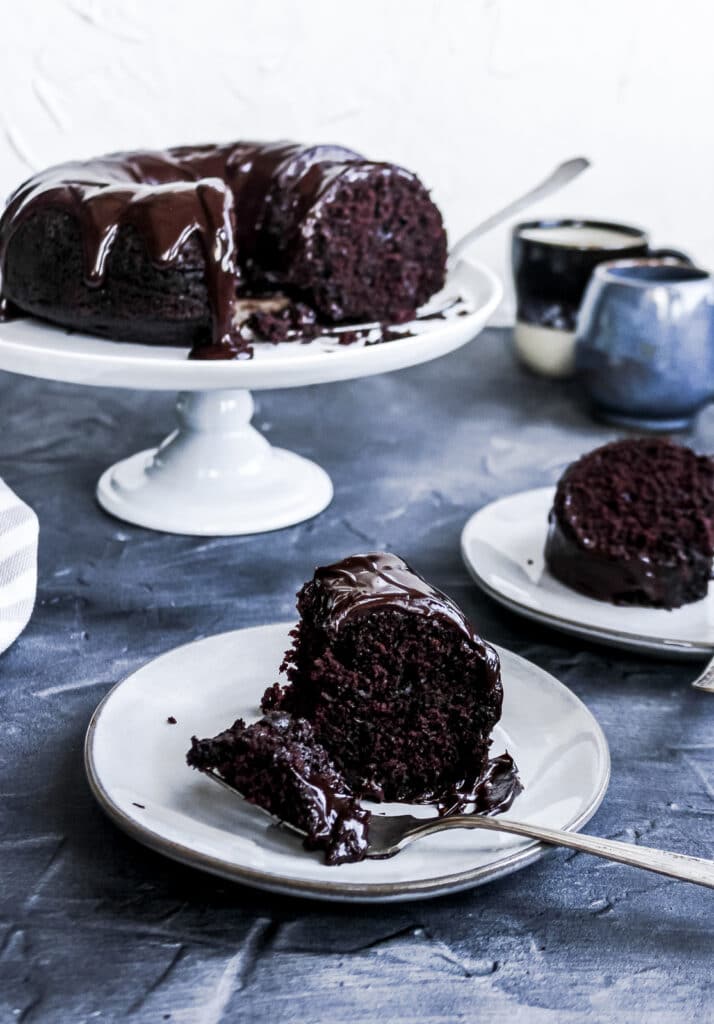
(481, 98)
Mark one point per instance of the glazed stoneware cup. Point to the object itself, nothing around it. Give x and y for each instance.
(553, 261)
(644, 349)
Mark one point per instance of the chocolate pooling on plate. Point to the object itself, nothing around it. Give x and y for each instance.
(491, 793)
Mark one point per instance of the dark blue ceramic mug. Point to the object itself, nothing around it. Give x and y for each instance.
(644, 343)
(552, 263)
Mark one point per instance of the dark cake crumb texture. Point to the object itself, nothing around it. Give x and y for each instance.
(277, 764)
(633, 523)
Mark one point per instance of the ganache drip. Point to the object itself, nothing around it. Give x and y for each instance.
(492, 793)
(9, 311)
(361, 584)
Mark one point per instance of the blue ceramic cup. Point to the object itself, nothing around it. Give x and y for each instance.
(644, 343)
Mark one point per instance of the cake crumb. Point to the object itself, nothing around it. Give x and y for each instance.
(296, 321)
(171, 720)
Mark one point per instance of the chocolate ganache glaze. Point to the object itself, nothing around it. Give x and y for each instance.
(491, 793)
(154, 246)
(361, 584)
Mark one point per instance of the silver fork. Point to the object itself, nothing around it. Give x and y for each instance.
(388, 834)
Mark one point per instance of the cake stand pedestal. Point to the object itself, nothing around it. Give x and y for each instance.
(215, 474)
(235, 481)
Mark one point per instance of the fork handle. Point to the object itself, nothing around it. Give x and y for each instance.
(674, 865)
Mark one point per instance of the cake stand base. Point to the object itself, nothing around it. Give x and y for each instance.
(215, 475)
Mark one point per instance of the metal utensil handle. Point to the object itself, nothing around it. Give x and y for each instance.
(675, 865)
(705, 681)
(556, 180)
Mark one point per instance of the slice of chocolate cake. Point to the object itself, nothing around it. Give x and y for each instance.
(633, 523)
(394, 681)
(277, 764)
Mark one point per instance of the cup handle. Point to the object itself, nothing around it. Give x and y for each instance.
(675, 254)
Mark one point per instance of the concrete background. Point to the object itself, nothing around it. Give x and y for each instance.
(481, 97)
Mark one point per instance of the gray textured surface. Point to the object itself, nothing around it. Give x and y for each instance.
(92, 926)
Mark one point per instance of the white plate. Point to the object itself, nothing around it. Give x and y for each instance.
(38, 349)
(136, 766)
(502, 546)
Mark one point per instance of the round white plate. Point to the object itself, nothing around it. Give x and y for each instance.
(136, 766)
(38, 349)
(502, 546)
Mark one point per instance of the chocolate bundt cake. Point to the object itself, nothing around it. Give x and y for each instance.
(155, 246)
(633, 523)
(395, 682)
(276, 764)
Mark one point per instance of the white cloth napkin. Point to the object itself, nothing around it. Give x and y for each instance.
(19, 530)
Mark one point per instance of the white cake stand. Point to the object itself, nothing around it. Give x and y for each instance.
(215, 475)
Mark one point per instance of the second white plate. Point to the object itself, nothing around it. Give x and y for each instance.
(502, 545)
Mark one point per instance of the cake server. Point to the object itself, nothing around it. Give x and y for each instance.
(557, 179)
(389, 834)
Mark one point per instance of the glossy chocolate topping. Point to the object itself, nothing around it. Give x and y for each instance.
(362, 584)
(638, 579)
(9, 311)
(492, 793)
(233, 197)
